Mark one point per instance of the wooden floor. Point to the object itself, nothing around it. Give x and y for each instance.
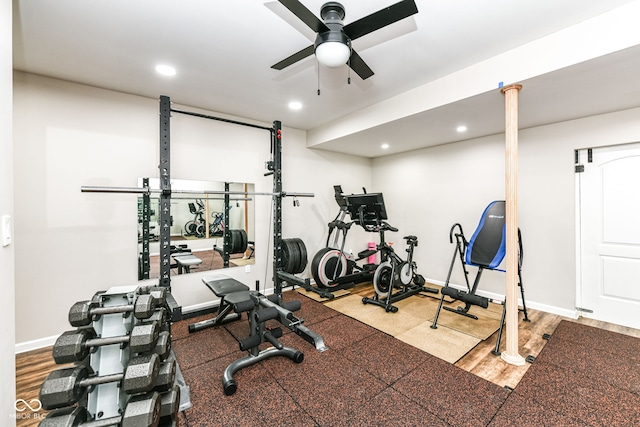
(482, 362)
(32, 367)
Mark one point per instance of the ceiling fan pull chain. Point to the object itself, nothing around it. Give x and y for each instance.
(349, 71)
(318, 79)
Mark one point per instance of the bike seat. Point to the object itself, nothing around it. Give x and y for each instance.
(410, 238)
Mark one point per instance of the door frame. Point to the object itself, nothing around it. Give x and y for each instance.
(578, 223)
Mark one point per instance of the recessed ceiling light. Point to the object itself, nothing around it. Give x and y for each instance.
(166, 70)
(461, 128)
(384, 146)
(295, 105)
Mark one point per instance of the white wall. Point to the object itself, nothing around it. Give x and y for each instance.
(7, 278)
(428, 190)
(71, 244)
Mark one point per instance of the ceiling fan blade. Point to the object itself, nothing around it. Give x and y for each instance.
(380, 19)
(305, 15)
(358, 65)
(307, 51)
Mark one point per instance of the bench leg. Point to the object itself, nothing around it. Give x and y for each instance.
(224, 316)
(230, 385)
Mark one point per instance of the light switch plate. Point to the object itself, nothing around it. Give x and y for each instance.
(6, 230)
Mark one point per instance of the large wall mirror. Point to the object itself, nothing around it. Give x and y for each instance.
(208, 231)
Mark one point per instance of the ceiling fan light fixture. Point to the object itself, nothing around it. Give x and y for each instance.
(338, 37)
(333, 48)
(333, 54)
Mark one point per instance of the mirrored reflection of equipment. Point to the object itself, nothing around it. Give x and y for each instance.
(334, 269)
(216, 228)
(196, 227)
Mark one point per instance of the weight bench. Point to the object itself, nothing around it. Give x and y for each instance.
(221, 286)
(185, 261)
(236, 298)
(260, 309)
(485, 250)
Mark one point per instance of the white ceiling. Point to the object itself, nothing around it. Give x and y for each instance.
(223, 51)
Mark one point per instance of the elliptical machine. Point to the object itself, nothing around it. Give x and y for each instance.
(196, 227)
(332, 268)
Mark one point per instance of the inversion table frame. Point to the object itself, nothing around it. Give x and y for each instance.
(485, 250)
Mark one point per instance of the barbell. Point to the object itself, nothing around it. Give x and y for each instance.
(149, 191)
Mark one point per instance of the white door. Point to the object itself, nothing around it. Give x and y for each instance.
(609, 193)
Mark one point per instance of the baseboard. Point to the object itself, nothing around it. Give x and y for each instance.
(23, 347)
(571, 314)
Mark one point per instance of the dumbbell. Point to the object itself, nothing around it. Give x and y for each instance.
(166, 376)
(169, 405)
(64, 387)
(164, 342)
(163, 346)
(82, 312)
(97, 297)
(74, 346)
(141, 411)
(159, 293)
(159, 315)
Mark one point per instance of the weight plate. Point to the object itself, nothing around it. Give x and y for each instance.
(289, 255)
(303, 256)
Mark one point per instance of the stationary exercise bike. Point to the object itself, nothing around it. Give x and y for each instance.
(395, 273)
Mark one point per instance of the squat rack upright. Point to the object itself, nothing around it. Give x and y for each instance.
(274, 167)
(281, 278)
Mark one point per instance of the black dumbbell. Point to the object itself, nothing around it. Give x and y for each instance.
(97, 297)
(163, 346)
(65, 387)
(141, 411)
(82, 312)
(169, 405)
(159, 315)
(166, 376)
(159, 293)
(74, 346)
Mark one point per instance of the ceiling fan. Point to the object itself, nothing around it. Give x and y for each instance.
(332, 46)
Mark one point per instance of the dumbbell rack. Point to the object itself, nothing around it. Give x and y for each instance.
(105, 398)
(109, 400)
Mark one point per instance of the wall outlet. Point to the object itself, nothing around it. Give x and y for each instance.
(6, 230)
(247, 269)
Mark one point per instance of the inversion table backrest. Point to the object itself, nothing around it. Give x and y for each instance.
(487, 245)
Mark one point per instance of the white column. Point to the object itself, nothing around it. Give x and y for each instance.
(511, 354)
